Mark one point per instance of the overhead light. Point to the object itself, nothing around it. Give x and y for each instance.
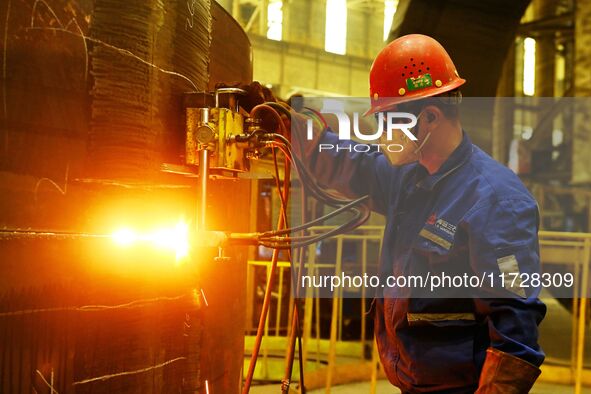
(529, 66)
(390, 7)
(335, 37)
(275, 20)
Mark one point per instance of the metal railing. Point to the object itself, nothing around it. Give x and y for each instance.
(574, 251)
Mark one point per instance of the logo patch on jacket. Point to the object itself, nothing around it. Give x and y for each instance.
(432, 219)
(439, 231)
(446, 226)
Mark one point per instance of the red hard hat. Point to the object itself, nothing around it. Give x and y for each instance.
(409, 68)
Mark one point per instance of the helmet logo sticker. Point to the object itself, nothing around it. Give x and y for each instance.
(420, 82)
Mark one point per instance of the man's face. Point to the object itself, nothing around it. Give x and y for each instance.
(407, 152)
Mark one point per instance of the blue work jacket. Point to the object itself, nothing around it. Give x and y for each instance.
(473, 216)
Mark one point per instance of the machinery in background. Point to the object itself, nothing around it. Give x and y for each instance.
(220, 141)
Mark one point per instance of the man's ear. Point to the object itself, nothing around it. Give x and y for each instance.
(432, 113)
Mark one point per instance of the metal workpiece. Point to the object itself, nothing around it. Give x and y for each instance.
(36, 234)
(86, 209)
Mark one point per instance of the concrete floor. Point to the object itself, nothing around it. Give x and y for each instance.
(384, 387)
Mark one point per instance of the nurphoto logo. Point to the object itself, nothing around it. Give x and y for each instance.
(388, 122)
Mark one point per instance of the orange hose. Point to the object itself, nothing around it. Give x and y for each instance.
(281, 224)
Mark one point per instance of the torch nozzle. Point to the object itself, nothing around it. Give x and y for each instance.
(218, 239)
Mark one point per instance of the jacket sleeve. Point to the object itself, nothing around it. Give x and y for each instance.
(503, 240)
(345, 166)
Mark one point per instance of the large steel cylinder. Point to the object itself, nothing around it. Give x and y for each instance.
(90, 106)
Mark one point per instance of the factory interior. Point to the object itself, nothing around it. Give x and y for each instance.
(155, 218)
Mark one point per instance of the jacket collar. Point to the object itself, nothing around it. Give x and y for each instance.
(457, 159)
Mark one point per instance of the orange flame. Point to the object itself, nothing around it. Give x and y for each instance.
(168, 238)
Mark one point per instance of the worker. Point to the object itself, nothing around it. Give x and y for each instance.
(449, 207)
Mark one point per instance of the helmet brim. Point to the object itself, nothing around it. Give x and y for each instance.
(387, 103)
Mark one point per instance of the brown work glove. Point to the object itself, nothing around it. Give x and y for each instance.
(504, 373)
